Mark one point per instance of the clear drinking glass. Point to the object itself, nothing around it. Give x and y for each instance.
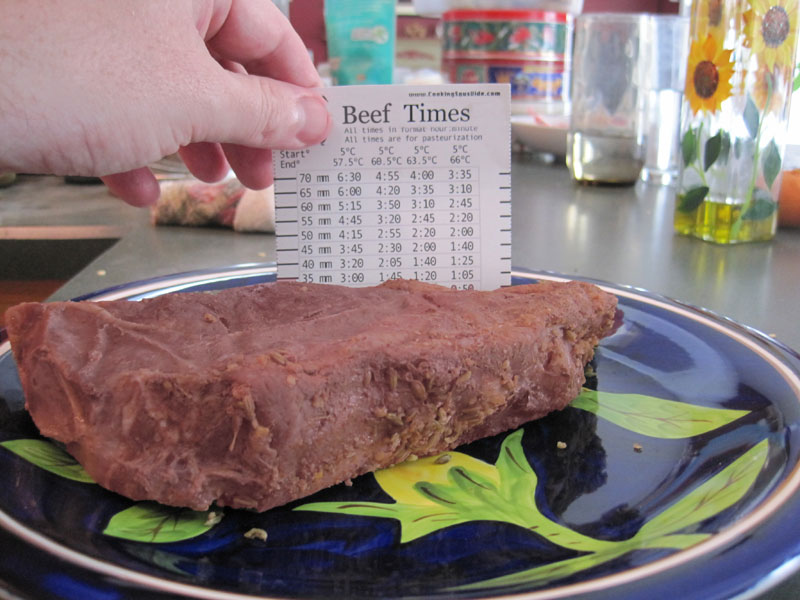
(606, 137)
(664, 78)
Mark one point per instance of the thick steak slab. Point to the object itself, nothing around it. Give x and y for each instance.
(255, 396)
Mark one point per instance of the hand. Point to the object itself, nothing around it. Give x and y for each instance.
(92, 87)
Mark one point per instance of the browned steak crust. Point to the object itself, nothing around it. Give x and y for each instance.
(255, 396)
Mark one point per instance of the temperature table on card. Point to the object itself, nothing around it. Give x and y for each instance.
(407, 185)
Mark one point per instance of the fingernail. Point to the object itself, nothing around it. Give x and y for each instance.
(315, 118)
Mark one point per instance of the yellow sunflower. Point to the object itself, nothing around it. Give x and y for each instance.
(774, 31)
(708, 76)
(771, 85)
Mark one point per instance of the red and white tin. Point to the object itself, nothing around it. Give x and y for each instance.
(528, 49)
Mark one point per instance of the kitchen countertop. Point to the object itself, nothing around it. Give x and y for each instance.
(617, 234)
(46, 208)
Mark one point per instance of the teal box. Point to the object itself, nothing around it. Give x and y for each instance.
(361, 40)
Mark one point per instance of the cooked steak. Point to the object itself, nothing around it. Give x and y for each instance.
(255, 396)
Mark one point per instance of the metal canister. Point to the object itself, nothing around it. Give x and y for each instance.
(529, 49)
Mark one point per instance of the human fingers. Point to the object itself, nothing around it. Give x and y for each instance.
(205, 160)
(261, 97)
(137, 187)
(255, 34)
(259, 112)
(253, 166)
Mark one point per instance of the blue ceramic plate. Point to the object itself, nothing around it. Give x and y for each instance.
(673, 475)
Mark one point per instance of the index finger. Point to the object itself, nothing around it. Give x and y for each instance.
(256, 34)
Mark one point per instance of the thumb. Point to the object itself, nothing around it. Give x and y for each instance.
(260, 112)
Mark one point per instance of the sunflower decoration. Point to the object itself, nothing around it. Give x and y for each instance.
(734, 145)
(774, 29)
(709, 74)
(769, 88)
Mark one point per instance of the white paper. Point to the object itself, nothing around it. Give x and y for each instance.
(413, 182)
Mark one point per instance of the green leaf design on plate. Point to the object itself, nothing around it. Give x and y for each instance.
(570, 566)
(416, 521)
(711, 497)
(152, 554)
(692, 199)
(48, 456)
(432, 493)
(762, 206)
(655, 417)
(155, 523)
(470, 490)
(751, 117)
(771, 163)
(712, 150)
(449, 489)
(689, 146)
(706, 500)
(548, 572)
(445, 490)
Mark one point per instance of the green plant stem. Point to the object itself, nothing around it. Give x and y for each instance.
(756, 156)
